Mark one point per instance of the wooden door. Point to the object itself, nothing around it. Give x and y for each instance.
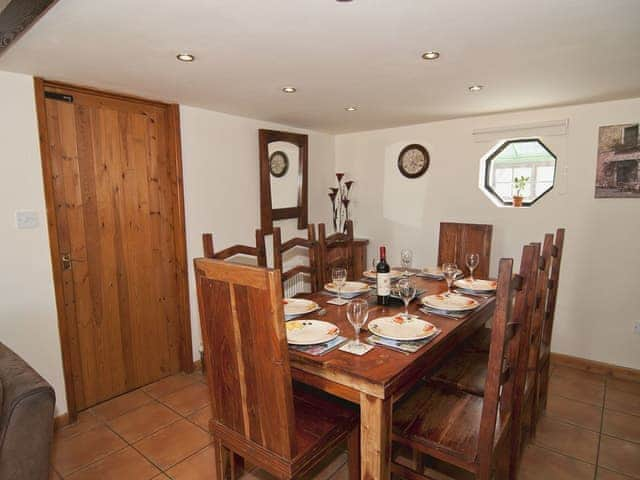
(112, 176)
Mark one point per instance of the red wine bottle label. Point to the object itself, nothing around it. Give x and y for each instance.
(383, 284)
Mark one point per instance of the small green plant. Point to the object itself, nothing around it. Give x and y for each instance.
(519, 183)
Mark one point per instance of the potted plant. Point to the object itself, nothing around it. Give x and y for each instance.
(518, 185)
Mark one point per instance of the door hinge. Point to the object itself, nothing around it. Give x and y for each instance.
(63, 97)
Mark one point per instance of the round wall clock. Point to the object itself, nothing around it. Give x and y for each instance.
(413, 161)
(278, 163)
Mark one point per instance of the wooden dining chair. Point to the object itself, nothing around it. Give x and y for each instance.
(336, 250)
(458, 239)
(456, 427)
(259, 251)
(544, 362)
(311, 270)
(256, 412)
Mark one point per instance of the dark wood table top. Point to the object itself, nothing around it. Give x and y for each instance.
(383, 372)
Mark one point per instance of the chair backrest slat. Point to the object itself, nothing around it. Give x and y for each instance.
(552, 294)
(246, 355)
(310, 243)
(259, 251)
(336, 250)
(458, 239)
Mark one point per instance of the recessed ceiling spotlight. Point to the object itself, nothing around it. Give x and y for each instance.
(431, 55)
(476, 88)
(352, 108)
(185, 57)
(289, 89)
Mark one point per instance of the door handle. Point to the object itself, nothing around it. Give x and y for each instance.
(66, 261)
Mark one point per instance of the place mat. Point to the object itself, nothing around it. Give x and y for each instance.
(320, 348)
(411, 346)
(354, 348)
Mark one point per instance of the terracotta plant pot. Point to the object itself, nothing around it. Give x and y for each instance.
(517, 201)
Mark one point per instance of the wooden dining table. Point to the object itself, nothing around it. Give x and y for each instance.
(378, 378)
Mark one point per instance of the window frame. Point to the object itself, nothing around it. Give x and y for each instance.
(487, 171)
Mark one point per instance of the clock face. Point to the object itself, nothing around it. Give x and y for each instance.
(278, 163)
(413, 161)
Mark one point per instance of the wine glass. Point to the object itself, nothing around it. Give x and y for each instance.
(357, 314)
(450, 272)
(406, 256)
(407, 291)
(374, 264)
(472, 260)
(339, 277)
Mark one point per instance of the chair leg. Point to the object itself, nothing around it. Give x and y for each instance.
(353, 446)
(220, 455)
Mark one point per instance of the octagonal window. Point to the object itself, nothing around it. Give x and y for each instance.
(523, 168)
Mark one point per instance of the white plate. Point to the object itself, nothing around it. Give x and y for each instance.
(310, 332)
(476, 285)
(349, 289)
(436, 272)
(400, 328)
(450, 302)
(294, 307)
(372, 275)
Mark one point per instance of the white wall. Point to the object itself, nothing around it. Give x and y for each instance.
(600, 279)
(221, 183)
(28, 318)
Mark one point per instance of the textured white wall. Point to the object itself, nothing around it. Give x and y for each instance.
(598, 298)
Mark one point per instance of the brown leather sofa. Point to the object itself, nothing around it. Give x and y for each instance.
(26, 419)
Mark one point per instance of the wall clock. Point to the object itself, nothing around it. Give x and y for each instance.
(278, 163)
(413, 161)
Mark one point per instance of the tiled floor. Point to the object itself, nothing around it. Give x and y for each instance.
(591, 430)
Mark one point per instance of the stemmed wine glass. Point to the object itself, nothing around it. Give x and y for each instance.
(357, 314)
(407, 291)
(472, 260)
(374, 264)
(450, 272)
(339, 277)
(406, 256)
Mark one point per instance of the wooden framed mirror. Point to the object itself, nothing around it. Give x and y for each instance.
(283, 178)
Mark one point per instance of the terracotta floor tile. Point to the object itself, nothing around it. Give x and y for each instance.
(85, 422)
(126, 463)
(201, 417)
(582, 390)
(173, 443)
(189, 399)
(197, 467)
(623, 386)
(541, 464)
(567, 439)
(620, 456)
(604, 474)
(621, 425)
(624, 402)
(572, 411)
(124, 403)
(143, 421)
(169, 385)
(72, 453)
(569, 373)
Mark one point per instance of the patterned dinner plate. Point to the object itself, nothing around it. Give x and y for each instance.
(373, 275)
(294, 307)
(476, 285)
(310, 332)
(435, 272)
(450, 302)
(349, 289)
(401, 328)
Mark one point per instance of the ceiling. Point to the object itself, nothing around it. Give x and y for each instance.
(527, 54)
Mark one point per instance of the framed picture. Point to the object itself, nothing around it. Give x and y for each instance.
(413, 161)
(618, 168)
(278, 164)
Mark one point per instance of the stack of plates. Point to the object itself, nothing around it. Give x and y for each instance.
(476, 286)
(371, 275)
(349, 289)
(401, 328)
(435, 273)
(310, 332)
(446, 302)
(294, 307)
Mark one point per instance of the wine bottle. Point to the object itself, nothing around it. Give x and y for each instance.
(383, 278)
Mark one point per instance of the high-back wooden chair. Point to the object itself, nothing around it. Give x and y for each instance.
(259, 251)
(542, 382)
(309, 243)
(336, 250)
(458, 239)
(470, 431)
(256, 413)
